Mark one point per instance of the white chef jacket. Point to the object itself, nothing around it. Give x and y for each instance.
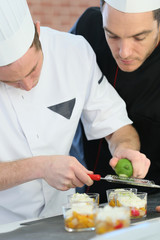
(43, 121)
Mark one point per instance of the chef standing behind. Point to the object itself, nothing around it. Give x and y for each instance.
(48, 80)
(125, 36)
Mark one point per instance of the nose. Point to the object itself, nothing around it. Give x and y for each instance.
(26, 83)
(125, 49)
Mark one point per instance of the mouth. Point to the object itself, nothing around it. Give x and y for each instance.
(126, 62)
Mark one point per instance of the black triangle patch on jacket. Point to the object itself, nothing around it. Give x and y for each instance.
(65, 108)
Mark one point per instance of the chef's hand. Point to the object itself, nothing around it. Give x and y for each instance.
(158, 208)
(65, 172)
(139, 161)
(125, 143)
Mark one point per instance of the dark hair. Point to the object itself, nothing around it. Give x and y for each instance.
(101, 3)
(156, 13)
(36, 42)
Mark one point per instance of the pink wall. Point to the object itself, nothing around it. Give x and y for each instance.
(59, 14)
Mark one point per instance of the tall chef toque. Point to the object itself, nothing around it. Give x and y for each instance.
(16, 30)
(134, 6)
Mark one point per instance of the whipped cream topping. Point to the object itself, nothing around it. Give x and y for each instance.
(117, 191)
(128, 198)
(80, 197)
(131, 200)
(82, 208)
(114, 214)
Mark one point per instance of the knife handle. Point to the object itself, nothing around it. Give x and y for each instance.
(95, 177)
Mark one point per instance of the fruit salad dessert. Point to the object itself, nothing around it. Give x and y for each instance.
(109, 219)
(79, 216)
(137, 202)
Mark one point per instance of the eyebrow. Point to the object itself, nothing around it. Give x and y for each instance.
(135, 35)
(24, 76)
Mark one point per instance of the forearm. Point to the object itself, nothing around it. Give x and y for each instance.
(60, 172)
(20, 171)
(125, 137)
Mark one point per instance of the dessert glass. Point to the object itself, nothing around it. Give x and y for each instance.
(108, 219)
(137, 202)
(79, 216)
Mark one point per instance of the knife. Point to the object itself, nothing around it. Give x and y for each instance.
(125, 180)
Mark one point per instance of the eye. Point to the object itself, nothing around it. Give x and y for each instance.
(139, 38)
(111, 36)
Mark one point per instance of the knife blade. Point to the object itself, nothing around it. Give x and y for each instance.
(125, 180)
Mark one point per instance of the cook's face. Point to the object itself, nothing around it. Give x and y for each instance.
(132, 37)
(25, 72)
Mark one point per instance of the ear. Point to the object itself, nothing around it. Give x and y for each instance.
(159, 35)
(37, 24)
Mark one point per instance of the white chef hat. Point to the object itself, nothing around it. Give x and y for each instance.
(16, 30)
(134, 6)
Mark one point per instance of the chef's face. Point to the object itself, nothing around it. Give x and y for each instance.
(25, 72)
(132, 37)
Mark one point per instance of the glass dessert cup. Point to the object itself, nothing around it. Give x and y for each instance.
(84, 197)
(137, 202)
(109, 219)
(112, 193)
(79, 216)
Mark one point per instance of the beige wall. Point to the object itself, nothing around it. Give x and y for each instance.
(59, 14)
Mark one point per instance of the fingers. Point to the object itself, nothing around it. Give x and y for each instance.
(158, 208)
(141, 166)
(81, 174)
(139, 161)
(72, 184)
(76, 175)
(83, 178)
(65, 172)
(113, 162)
